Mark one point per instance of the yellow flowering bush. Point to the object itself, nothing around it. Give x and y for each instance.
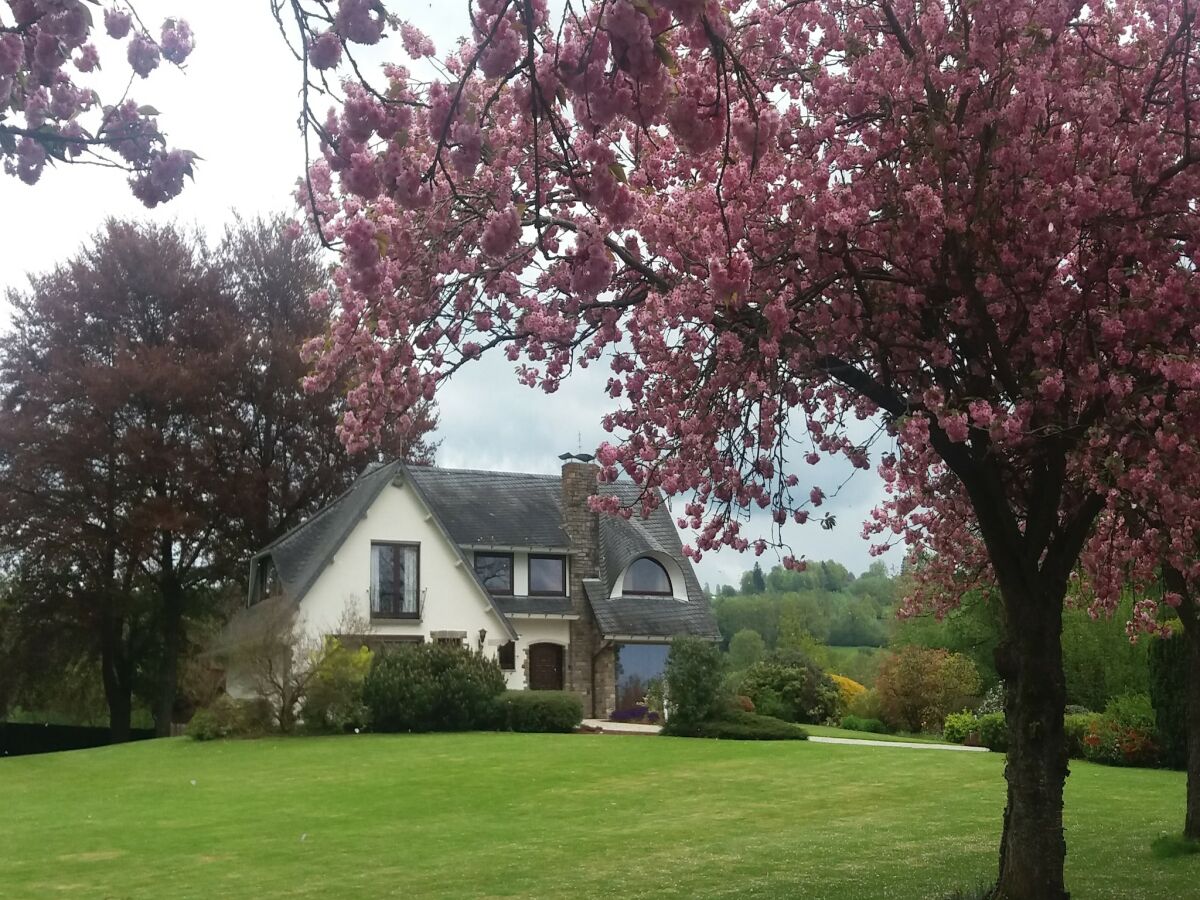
(848, 690)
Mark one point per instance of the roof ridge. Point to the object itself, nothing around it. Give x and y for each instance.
(450, 469)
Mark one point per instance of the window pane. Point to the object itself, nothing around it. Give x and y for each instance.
(495, 571)
(547, 575)
(394, 574)
(507, 656)
(646, 576)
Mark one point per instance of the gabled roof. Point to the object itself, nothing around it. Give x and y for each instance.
(496, 509)
(503, 509)
(301, 554)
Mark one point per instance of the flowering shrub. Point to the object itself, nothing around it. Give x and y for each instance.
(992, 702)
(1077, 726)
(333, 699)
(848, 690)
(1124, 735)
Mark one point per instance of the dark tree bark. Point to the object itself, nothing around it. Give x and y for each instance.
(172, 599)
(117, 672)
(1033, 848)
(1189, 616)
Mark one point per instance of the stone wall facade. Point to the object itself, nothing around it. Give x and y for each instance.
(582, 526)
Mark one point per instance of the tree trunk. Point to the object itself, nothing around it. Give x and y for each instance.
(1191, 822)
(115, 672)
(1033, 848)
(172, 634)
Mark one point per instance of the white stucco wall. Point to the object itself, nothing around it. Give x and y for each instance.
(532, 631)
(452, 599)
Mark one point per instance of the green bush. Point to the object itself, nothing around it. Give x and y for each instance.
(1168, 694)
(856, 723)
(744, 726)
(432, 687)
(918, 687)
(539, 711)
(333, 700)
(694, 682)
(993, 732)
(226, 717)
(960, 726)
(790, 686)
(866, 705)
(1077, 726)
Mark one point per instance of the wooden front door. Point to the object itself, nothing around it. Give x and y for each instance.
(545, 667)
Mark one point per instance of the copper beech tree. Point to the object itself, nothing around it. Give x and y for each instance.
(973, 221)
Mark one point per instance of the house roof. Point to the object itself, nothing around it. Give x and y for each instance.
(504, 509)
(648, 617)
(495, 509)
(535, 606)
(302, 553)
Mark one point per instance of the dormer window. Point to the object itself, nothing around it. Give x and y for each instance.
(495, 570)
(547, 576)
(646, 576)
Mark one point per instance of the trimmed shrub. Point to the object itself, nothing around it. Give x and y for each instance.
(790, 686)
(873, 726)
(960, 726)
(333, 697)
(744, 726)
(694, 694)
(918, 687)
(993, 732)
(1168, 694)
(432, 687)
(540, 711)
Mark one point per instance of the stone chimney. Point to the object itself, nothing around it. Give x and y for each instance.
(582, 526)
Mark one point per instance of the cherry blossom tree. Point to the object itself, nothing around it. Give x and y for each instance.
(48, 111)
(970, 223)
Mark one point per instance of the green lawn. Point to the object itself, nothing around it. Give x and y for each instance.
(544, 816)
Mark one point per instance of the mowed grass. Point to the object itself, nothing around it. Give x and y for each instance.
(548, 816)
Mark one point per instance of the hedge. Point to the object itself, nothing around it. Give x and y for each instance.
(539, 711)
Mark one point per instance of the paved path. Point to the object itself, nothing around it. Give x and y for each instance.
(911, 745)
(634, 728)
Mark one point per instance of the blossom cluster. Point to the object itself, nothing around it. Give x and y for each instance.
(769, 220)
(48, 113)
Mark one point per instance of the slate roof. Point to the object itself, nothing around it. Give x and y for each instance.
(497, 509)
(648, 617)
(503, 509)
(301, 554)
(535, 606)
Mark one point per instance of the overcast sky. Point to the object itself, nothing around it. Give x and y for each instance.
(236, 106)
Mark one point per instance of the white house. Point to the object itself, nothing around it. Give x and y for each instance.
(514, 565)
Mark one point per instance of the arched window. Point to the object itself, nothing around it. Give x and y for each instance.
(646, 576)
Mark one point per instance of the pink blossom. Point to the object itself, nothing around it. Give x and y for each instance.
(117, 23)
(326, 51)
(143, 55)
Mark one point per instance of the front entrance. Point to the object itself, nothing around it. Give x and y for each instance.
(545, 667)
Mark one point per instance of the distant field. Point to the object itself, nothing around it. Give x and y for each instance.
(551, 816)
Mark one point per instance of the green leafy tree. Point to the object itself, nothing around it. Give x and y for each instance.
(745, 649)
